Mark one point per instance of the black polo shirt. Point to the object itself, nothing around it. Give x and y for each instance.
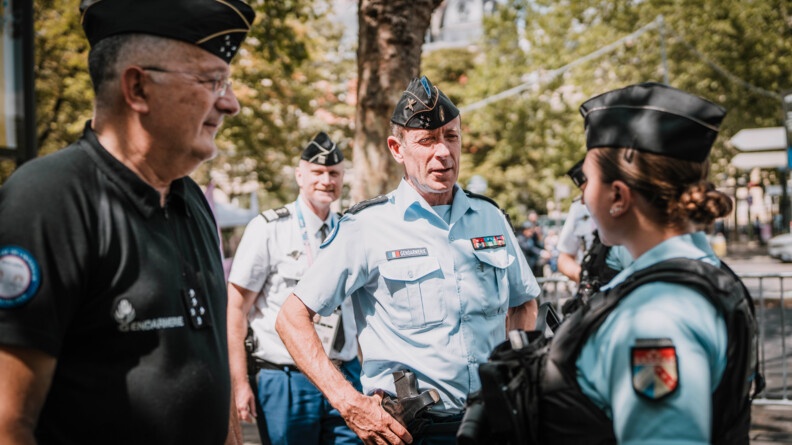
(129, 296)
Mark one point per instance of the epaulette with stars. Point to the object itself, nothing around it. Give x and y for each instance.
(491, 201)
(367, 203)
(275, 214)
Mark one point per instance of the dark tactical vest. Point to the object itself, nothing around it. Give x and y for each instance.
(567, 416)
(529, 390)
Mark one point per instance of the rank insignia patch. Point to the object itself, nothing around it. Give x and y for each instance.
(488, 242)
(275, 214)
(655, 372)
(406, 253)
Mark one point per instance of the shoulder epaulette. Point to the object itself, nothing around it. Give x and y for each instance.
(491, 201)
(485, 198)
(367, 203)
(275, 214)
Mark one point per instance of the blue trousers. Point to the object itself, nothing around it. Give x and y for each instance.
(291, 411)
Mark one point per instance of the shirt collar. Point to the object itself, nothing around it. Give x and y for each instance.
(409, 201)
(142, 195)
(691, 245)
(312, 221)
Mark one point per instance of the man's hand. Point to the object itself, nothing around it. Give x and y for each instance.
(240, 301)
(364, 415)
(369, 420)
(245, 401)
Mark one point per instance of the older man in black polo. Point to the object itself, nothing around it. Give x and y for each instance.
(112, 293)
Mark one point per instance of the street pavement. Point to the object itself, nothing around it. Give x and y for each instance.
(771, 420)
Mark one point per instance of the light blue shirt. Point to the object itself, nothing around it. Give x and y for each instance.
(424, 298)
(618, 258)
(654, 311)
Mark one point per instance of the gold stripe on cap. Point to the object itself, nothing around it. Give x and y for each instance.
(228, 31)
(242, 16)
(430, 107)
(648, 107)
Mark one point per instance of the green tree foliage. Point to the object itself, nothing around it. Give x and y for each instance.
(282, 76)
(63, 87)
(524, 144)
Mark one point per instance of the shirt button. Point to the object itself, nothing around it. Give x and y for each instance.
(451, 238)
(410, 274)
(466, 317)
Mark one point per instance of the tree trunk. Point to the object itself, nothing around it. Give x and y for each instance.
(390, 36)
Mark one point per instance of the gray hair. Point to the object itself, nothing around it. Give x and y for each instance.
(110, 55)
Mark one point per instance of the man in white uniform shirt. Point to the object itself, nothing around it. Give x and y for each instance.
(275, 251)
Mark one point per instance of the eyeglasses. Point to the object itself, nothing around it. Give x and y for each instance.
(218, 85)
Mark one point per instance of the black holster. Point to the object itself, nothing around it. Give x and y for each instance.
(409, 405)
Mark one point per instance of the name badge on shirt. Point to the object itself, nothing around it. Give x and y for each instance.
(406, 253)
(488, 242)
(655, 372)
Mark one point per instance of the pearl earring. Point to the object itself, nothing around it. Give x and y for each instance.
(615, 210)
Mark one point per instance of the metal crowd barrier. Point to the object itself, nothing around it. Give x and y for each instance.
(772, 295)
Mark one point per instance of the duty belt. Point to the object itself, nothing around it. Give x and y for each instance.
(263, 364)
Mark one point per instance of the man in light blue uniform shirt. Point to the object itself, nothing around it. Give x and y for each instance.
(432, 272)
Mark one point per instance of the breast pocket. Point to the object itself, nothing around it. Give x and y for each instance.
(291, 272)
(415, 286)
(494, 280)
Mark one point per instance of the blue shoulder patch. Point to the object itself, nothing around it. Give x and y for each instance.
(20, 277)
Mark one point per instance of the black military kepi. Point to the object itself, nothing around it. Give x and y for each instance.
(423, 105)
(322, 150)
(218, 26)
(654, 118)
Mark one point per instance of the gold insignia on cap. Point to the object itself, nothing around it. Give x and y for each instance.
(410, 104)
(442, 114)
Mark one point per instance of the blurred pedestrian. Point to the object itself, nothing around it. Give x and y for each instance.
(276, 250)
(112, 293)
(532, 248)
